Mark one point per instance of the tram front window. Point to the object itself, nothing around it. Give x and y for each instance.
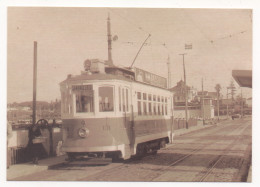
(106, 99)
(84, 103)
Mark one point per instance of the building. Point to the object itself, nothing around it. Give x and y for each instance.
(207, 108)
(195, 109)
(179, 93)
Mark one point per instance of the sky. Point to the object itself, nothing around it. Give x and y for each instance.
(221, 42)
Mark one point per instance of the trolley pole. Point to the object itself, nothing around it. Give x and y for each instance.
(34, 82)
(185, 91)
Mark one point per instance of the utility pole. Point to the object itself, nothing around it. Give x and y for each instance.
(203, 117)
(241, 110)
(218, 88)
(218, 105)
(185, 91)
(34, 81)
(227, 103)
(109, 42)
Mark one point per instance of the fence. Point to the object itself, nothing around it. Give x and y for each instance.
(17, 147)
(181, 123)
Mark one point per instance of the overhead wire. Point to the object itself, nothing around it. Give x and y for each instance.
(165, 46)
(136, 26)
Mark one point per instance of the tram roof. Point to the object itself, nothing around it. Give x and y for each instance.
(96, 76)
(104, 76)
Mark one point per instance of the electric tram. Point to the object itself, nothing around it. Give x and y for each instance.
(116, 112)
(109, 111)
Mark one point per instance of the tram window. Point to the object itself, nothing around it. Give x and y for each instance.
(150, 108)
(123, 97)
(166, 109)
(145, 108)
(139, 108)
(106, 99)
(84, 103)
(154, 108)
(70, 109)
(144, 96)
(154, 98)
(127, 109)
(138, 95)
(159, 109)
(149, 97)
(162, 109)
(158, 98)
(119, 93)
(165, 99)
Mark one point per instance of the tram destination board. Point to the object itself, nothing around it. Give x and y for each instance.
(150, 78)
(86, 89)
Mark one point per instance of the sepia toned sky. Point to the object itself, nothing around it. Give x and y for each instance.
(221, 42)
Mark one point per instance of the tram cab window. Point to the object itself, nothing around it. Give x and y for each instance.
(84, 98)
(106, 99)
(84, 103)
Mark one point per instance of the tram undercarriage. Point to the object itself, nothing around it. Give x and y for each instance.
(142, 149)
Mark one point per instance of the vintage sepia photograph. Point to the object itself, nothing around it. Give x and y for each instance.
(129, 94)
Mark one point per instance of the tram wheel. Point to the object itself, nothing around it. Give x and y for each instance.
(163, 144)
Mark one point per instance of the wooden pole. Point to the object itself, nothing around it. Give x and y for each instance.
(185, 92)
(34, 82)
(203, 117)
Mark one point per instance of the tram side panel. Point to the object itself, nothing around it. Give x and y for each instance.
(104, 135)
(150, 127)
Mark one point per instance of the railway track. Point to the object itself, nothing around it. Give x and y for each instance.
(205, 173)
(109, 171)
(218, 159)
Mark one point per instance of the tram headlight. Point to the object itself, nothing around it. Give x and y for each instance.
(83, 132)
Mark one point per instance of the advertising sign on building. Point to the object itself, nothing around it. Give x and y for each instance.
(150, 78)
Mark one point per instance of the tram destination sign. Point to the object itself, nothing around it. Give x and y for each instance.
(150, 78)
(86, 89)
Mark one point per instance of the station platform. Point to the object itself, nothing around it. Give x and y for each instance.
(19, 170)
